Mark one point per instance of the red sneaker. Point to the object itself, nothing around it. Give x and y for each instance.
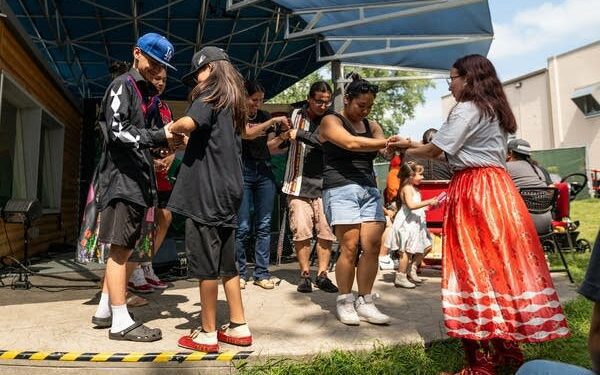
(200, 341)
(143, 288)
(239, 335)
(157, 284)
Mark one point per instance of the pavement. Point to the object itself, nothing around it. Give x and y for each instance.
(50, 325)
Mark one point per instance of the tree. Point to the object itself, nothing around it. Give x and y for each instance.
(395, 103)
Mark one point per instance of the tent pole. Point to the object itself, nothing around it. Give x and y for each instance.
(338, 87)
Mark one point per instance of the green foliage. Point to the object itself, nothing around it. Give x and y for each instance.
(395, 103)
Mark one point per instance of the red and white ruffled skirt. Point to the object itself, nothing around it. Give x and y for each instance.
(496, 283)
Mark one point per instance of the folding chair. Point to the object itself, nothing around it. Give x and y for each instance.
(539, 201)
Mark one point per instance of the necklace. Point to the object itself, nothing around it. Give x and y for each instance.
(253, 117)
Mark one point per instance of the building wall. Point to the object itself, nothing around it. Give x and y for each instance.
(528, 98)
(566, 73)
(17, 61)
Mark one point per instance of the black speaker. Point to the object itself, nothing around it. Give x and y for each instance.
(22, 211)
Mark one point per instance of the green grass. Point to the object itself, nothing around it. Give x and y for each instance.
(446, 355)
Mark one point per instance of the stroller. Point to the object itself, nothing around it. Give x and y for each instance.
(565, 229)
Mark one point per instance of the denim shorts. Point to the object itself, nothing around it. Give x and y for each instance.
(352, 204)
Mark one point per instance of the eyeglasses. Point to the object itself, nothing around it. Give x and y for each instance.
(449, 80)
(322, 103)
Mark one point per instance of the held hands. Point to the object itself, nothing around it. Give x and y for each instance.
(396, 142)
(282, 122)
(175, 139)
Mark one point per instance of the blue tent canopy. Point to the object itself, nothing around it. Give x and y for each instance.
(277, 42)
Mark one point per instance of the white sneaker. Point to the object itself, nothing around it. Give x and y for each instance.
(386, 263)
(345, 310)
(402, 281)
(367, 311)
(413, 274)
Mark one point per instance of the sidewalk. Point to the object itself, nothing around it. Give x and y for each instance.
(284, 323)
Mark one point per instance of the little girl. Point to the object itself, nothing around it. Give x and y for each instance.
(209, 192)
(409, 232)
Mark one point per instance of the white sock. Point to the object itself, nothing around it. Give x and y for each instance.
(120, 318)
(103, 309)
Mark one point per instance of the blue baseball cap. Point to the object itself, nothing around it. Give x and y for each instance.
(158, 47)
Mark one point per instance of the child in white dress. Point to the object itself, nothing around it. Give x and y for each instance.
(409, 232)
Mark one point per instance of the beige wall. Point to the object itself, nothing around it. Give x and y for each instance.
(528, 99)
(545, 113)
(566, 73)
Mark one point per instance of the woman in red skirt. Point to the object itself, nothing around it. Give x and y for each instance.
(496, 287)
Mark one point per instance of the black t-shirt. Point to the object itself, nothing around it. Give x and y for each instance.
(256, 149)
(344, 167)
(209, 186)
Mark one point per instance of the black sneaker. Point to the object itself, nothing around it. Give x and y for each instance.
(305, 284)
(325, 284)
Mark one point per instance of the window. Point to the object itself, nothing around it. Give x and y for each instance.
(587, 99)
(31, 149)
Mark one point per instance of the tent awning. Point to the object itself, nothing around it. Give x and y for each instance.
(277, 42)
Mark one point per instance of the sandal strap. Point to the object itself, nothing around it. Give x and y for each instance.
(130, 328)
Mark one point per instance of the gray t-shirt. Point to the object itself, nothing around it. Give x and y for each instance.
(524, 176)
(470, 140)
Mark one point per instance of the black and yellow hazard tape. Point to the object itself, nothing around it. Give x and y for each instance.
(124, 357)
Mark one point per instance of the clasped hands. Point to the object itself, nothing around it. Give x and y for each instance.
(175, 139)
(397, 143)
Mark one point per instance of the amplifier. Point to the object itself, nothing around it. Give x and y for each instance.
(22, 211)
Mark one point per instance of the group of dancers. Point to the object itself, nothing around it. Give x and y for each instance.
(496, 288)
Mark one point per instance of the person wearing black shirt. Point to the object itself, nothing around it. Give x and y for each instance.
(209, 192)
(260, 140)
(302, 184)
(352, 203)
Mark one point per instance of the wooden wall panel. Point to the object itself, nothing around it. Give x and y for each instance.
(32, 77)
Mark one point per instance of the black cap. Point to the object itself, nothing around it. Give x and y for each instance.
(200, 59)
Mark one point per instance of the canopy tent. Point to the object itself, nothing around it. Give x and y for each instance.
(277, 42)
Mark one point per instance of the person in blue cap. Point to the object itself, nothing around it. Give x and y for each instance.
(126, 191)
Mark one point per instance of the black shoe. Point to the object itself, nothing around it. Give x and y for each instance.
(325, 284)
(305, 284)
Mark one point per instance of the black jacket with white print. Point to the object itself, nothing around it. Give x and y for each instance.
(127, 170)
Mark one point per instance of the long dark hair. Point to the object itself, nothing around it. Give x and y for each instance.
(484, 89)
(224, 88)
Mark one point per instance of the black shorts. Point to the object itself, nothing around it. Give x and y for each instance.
(121, 223)
(163, 198)
(210, 251)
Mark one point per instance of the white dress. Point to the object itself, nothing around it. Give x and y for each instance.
(409, 232)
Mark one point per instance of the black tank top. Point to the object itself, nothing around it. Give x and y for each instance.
(343, 167)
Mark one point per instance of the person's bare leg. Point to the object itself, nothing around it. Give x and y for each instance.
(208, 295)
(234, 299)
(403, 264)
(370, 241)
(323, 254)
(345, 266)
(383, 250)
(163, 219)
(116, 274)
(303, 254)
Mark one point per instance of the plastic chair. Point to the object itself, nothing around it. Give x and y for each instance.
(539, 201)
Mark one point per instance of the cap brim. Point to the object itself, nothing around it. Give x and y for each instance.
(190, 78)
(161, 61)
